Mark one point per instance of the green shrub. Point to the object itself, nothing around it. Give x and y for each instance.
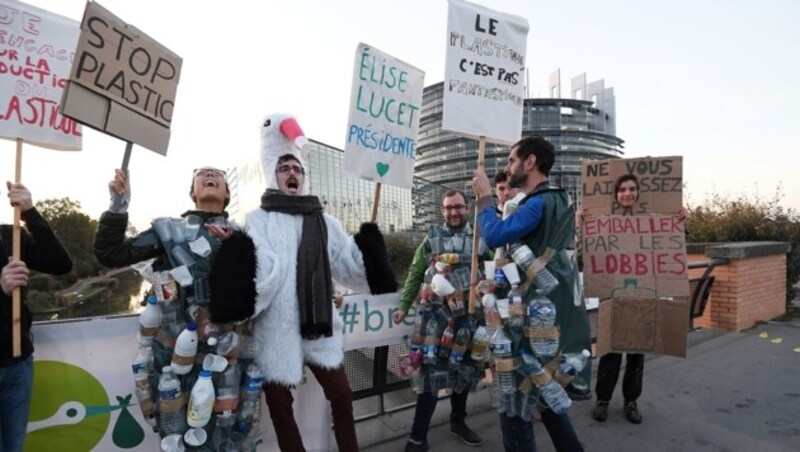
(749, 218)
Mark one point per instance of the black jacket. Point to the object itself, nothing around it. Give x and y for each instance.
(41, 251)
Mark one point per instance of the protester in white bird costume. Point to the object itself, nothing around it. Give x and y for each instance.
(281, 273)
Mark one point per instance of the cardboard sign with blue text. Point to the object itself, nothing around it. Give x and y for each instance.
(385, 104)
(484, 75)
(35, 60)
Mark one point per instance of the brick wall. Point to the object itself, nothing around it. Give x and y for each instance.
(746, 291)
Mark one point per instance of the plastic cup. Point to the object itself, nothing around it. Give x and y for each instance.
(193, 223)
(182, 256)
(511, 272)
(201, 247)
(195, 437)
(215, 363)
(488, 269)
(172, 443)
(163, 229)
(178, 226)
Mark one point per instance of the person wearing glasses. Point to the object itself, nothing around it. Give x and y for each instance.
(453, 237)
(168, 243)
(280, 271)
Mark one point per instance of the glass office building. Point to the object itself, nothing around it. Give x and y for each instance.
(579, 129)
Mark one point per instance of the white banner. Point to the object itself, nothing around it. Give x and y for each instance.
(368, 321)
(35, 61)
(484, 81)
(82, 378)
(385, 103)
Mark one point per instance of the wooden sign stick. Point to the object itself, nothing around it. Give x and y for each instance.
(376, 200)
(476, 236)
(16, 302)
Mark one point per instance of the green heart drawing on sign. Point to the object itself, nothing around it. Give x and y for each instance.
(382, 168)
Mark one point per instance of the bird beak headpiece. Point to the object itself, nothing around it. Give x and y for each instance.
(281, 135)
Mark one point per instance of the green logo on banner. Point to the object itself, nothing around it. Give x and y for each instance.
(70, 411)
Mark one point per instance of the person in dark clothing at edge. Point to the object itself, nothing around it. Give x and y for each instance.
(210, 193)
(40, 250)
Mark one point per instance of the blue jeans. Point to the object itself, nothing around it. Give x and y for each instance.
(16, 381)
(426, 405)
(518, 434)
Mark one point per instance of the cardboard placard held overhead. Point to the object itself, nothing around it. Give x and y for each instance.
(122, 82)
(660, 181)
(385, 103)
(647, 253)
(34, 67)
(484, 80)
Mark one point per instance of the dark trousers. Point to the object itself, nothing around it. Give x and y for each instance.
(518, 434)
(608, 374)
(426, 405)
(337, 390)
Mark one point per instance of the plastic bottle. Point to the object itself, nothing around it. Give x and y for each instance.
(492, 314)
(516, 308)
(420, 324)
(542, 315)
(446, 342)
(460, 345)
(171, 323)
(478, 345)
(529, 404)
(185, 350)
(573, 363)
(149, 322)
(250, 405)
(500, 345)
(431, 341)
(228, 389)
(549, 390)
(142, 367)
(521, 253)
(171, 404)
(201, 401)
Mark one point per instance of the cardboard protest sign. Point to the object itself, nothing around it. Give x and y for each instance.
(660, 182)
(484, 73)
(643, 325)
(122, 82)
(646, 253)
(34, 66)
(385, 103)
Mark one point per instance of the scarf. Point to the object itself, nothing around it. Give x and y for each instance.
(314, 284)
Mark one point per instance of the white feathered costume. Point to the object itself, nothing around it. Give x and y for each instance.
(277, 238)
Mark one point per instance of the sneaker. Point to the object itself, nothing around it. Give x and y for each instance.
(466, 434)
(411, 446)
(632, 412)
(600, 411)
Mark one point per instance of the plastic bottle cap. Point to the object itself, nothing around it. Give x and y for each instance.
(212, 341)
(205, 373)
(152, 299)
(191, 326)
(586, 353)
(166, 369)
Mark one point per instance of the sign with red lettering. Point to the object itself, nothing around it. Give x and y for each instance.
(35, 58)
(646, 254)
(659, 182)
(122, 82)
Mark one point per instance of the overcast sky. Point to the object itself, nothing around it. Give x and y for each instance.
(715, 81)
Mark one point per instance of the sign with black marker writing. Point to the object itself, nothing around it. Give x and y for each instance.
(484, 81)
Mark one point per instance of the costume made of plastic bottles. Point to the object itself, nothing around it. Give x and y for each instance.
(186, 341)
(555, 239)
(444, 331)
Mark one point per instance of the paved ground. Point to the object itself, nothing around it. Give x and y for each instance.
(733, 392)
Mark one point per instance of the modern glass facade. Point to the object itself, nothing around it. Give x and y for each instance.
(346, 198)
(578, 130)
